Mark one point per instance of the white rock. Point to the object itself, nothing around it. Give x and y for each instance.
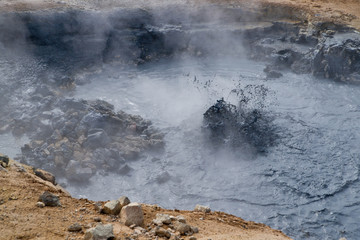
(40, 204)
(201, 208)
(163, 218)
(132, 214)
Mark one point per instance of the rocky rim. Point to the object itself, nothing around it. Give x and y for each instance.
(23, 216)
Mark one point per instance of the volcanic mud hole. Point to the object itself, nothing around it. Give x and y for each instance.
(168, 106)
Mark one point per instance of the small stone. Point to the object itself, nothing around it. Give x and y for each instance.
(97, 219)
(161, 232)
(45, 176)
(157, 222)
(174, 237)
(49, 199)
(162, 218)
(98, 207)
(4, 161)
(132, 226)
(100, 232)
(181, 218)
(192, 238)
(124, 201)
(40, 204)
(195, 229)
(201, 208)
(113, 207)
(182, 228)
(76, 227)
(132, 214)
(142, 230)
(19, 167)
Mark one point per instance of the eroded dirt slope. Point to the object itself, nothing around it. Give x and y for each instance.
(21, 218)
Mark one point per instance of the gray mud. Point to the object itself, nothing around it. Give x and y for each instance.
(126, 102)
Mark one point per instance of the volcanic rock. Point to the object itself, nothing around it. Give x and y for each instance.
(201, 208)
(49, 199)
(161, 232)
(45, 175)
(100, 232)
(132, 214)
(4, 161)
(181, 218)
(183, 228)
(162, 219)
(113, 207)
(124, 201)
(76, 227)
(338, 58)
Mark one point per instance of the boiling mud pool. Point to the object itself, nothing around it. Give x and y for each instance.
(307, 185)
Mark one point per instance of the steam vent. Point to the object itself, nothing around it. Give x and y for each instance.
(180, 119)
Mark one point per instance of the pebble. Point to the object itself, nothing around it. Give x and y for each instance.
(40, 204)
(76, 227)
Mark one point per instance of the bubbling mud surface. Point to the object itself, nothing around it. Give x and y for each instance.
(139, 83)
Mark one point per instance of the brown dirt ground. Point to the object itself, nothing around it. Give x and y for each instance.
(340, 11)
(20, 218)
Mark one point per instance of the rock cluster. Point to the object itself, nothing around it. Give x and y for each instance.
(326, 50)
(77, 138)
(164, 225)
(171, 227)
(338, 58)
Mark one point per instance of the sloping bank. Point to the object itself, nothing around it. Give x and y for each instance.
(33, 206)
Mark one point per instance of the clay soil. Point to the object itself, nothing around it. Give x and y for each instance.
(20, 218)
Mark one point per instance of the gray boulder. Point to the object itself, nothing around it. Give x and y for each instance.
(112, 207)
(49, 199)
(183, 228)
(100, 232)
(132, 214)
